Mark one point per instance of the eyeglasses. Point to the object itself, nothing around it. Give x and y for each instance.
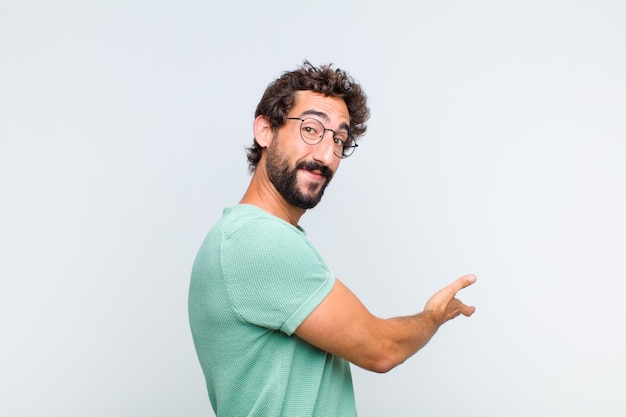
(312, 132)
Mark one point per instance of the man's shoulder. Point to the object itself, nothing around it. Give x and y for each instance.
(246, 219)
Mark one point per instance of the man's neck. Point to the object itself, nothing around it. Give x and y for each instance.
(262, 193)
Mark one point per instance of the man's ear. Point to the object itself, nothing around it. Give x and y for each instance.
(263, 132)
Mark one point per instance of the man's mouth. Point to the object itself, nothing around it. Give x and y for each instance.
(316, 169)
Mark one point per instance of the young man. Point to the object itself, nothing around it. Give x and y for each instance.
(273, 328)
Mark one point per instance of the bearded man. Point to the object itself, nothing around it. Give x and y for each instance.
(274, 330)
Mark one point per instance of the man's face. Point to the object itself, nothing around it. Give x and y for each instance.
(299, 171)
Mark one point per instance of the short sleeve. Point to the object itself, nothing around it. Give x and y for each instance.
(274, 275)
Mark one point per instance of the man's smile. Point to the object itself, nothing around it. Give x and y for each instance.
(315, 170)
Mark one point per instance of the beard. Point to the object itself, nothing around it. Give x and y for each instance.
(285, 179)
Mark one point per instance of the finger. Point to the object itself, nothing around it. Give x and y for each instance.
(462, 308)
(463, 282)
(468, 310)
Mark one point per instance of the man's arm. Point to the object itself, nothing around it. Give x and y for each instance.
(343, 326)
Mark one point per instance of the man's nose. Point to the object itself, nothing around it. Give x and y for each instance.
(326, 148)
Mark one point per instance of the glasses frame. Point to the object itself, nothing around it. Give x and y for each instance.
(344, 148)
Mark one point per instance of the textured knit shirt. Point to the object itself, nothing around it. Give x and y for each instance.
(254, 281)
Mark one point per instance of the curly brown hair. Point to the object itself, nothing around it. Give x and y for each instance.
(333, 82)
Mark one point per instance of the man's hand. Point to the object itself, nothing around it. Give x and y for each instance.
(444, 305)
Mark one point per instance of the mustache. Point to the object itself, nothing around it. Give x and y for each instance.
(314, 166)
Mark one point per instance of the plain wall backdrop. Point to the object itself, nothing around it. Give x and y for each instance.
(496, 146)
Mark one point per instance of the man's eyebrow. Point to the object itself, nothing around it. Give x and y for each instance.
(324, 116)
(315, 113)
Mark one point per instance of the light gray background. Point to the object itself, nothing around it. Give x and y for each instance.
(497, 146)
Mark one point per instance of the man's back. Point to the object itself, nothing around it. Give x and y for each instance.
(254, 281)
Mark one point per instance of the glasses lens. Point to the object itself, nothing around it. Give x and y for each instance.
(311, 131)
(348, 150)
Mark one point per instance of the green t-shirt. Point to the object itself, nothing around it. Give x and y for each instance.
(254, 281)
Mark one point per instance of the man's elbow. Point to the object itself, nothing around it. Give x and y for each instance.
(382, 366)
(383, 361)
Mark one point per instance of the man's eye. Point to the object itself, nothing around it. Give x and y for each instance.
(309, 130)
(338, 141)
